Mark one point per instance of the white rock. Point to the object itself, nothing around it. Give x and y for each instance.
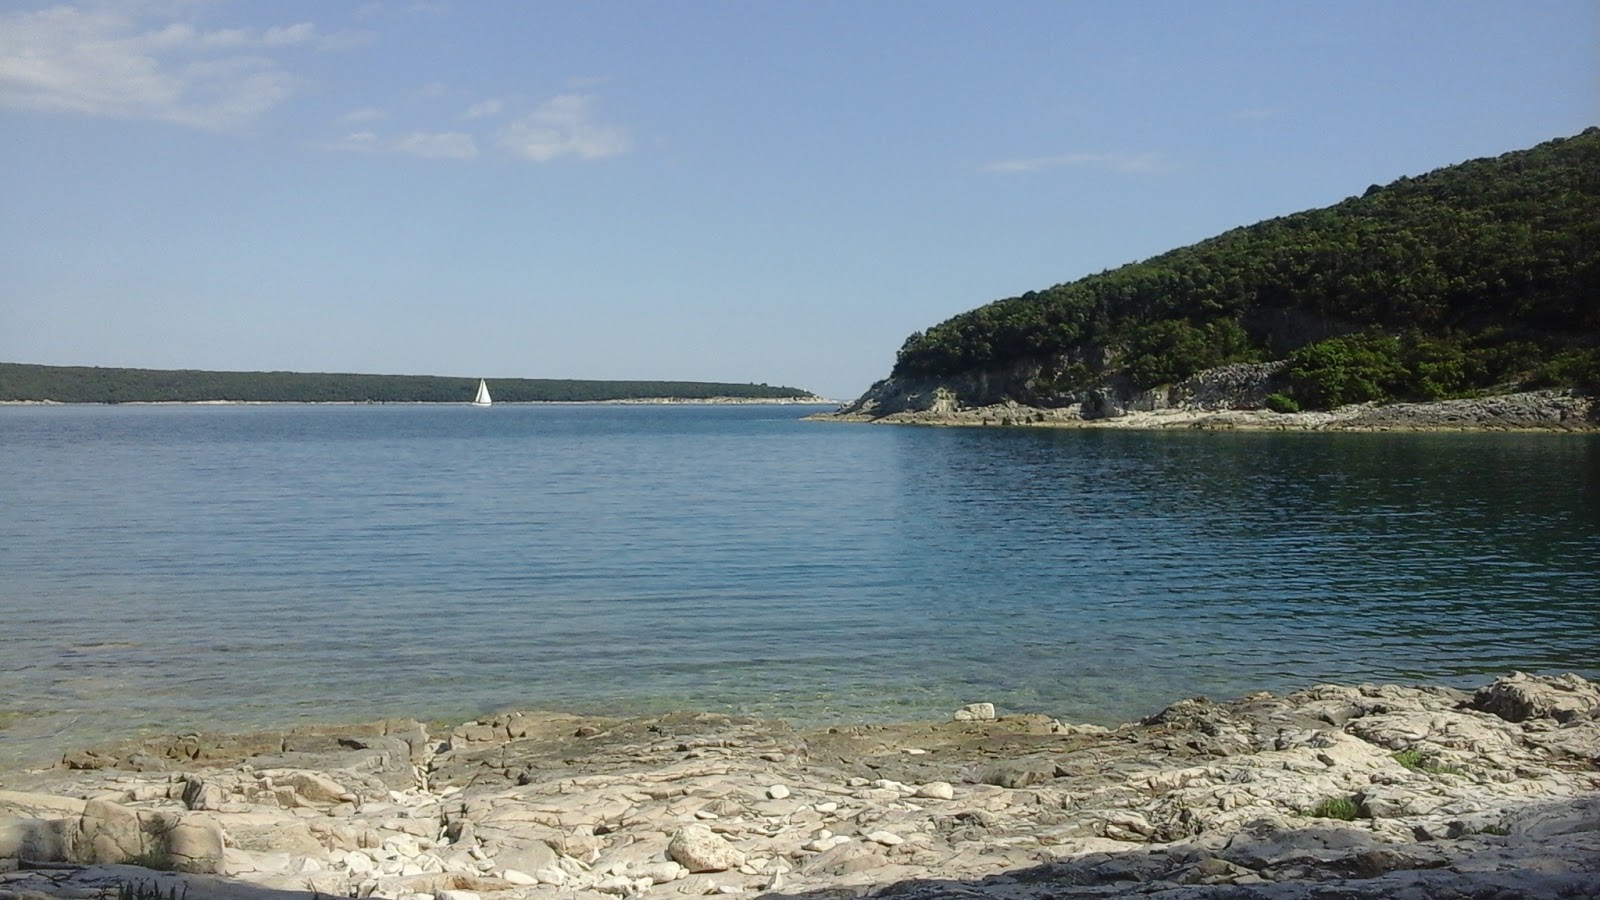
(937, 790)
(359, 863)
(661, 872)
(975, 712)
(827, 807)
(622, 885)
(551, 875)
(778, 792)
(886, 838)
(518, 877)
(698, 849)
(457, 895)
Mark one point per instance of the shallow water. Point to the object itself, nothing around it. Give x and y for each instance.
(177, 567)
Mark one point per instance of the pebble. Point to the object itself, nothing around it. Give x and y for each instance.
(778, 792)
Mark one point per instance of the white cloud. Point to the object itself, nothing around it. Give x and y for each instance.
(424, 144)
(110, 63)
(1126, 163)
(365, 114)
(562, 126)
(440, 145)
(484, 109)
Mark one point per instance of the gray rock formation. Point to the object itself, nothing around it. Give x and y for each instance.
(1368, 791)
(1227, 397)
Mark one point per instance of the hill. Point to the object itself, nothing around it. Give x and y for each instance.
(1476, 278)
(80, 384)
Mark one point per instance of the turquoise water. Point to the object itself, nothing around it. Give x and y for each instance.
(170, 568)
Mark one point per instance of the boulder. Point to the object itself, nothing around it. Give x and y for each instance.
(698, 849)
(1519, 697)
(975, 712)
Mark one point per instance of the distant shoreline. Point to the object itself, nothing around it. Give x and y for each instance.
(642, 401)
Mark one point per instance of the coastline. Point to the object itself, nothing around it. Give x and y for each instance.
(1350, 791)
(1539, 411)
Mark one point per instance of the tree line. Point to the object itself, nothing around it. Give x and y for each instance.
(84, 384)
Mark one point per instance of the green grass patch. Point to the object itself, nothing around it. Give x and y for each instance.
(1418, 761)
(1343, 808)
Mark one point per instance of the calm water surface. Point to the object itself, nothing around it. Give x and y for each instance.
(166, 568)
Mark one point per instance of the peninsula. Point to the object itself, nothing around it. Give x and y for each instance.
(1467, 285)
(84, 384)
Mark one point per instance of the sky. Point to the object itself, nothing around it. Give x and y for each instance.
(714, 190)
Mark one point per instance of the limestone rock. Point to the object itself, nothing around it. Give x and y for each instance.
(1519, 697)
(975, 712)
(1200, 800)
(698, 849)
(518, 877)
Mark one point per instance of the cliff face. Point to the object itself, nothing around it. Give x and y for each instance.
(1030, 384)
(1224, 398)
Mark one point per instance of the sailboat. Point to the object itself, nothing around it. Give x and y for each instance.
(483, 395)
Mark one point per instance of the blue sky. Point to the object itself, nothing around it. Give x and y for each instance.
(725, 191)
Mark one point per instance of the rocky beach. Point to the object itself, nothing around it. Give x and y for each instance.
(1333, 791)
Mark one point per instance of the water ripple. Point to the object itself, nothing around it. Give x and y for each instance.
(236, 567)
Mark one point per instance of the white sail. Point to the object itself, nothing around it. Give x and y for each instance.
(483, 395)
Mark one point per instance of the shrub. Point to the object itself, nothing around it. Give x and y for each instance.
(1355, 368)
(1282, 403)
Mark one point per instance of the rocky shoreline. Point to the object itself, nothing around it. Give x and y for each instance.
(1349, 792)
(1227, 398)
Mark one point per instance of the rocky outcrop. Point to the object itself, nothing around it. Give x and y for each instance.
(99, 830)
(1366, 791)
(1031, 385)
(1226, 398)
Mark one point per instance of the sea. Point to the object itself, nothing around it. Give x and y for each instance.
(174, 568)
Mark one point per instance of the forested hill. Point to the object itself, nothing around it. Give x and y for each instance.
(78, 384)
(1478, 276)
